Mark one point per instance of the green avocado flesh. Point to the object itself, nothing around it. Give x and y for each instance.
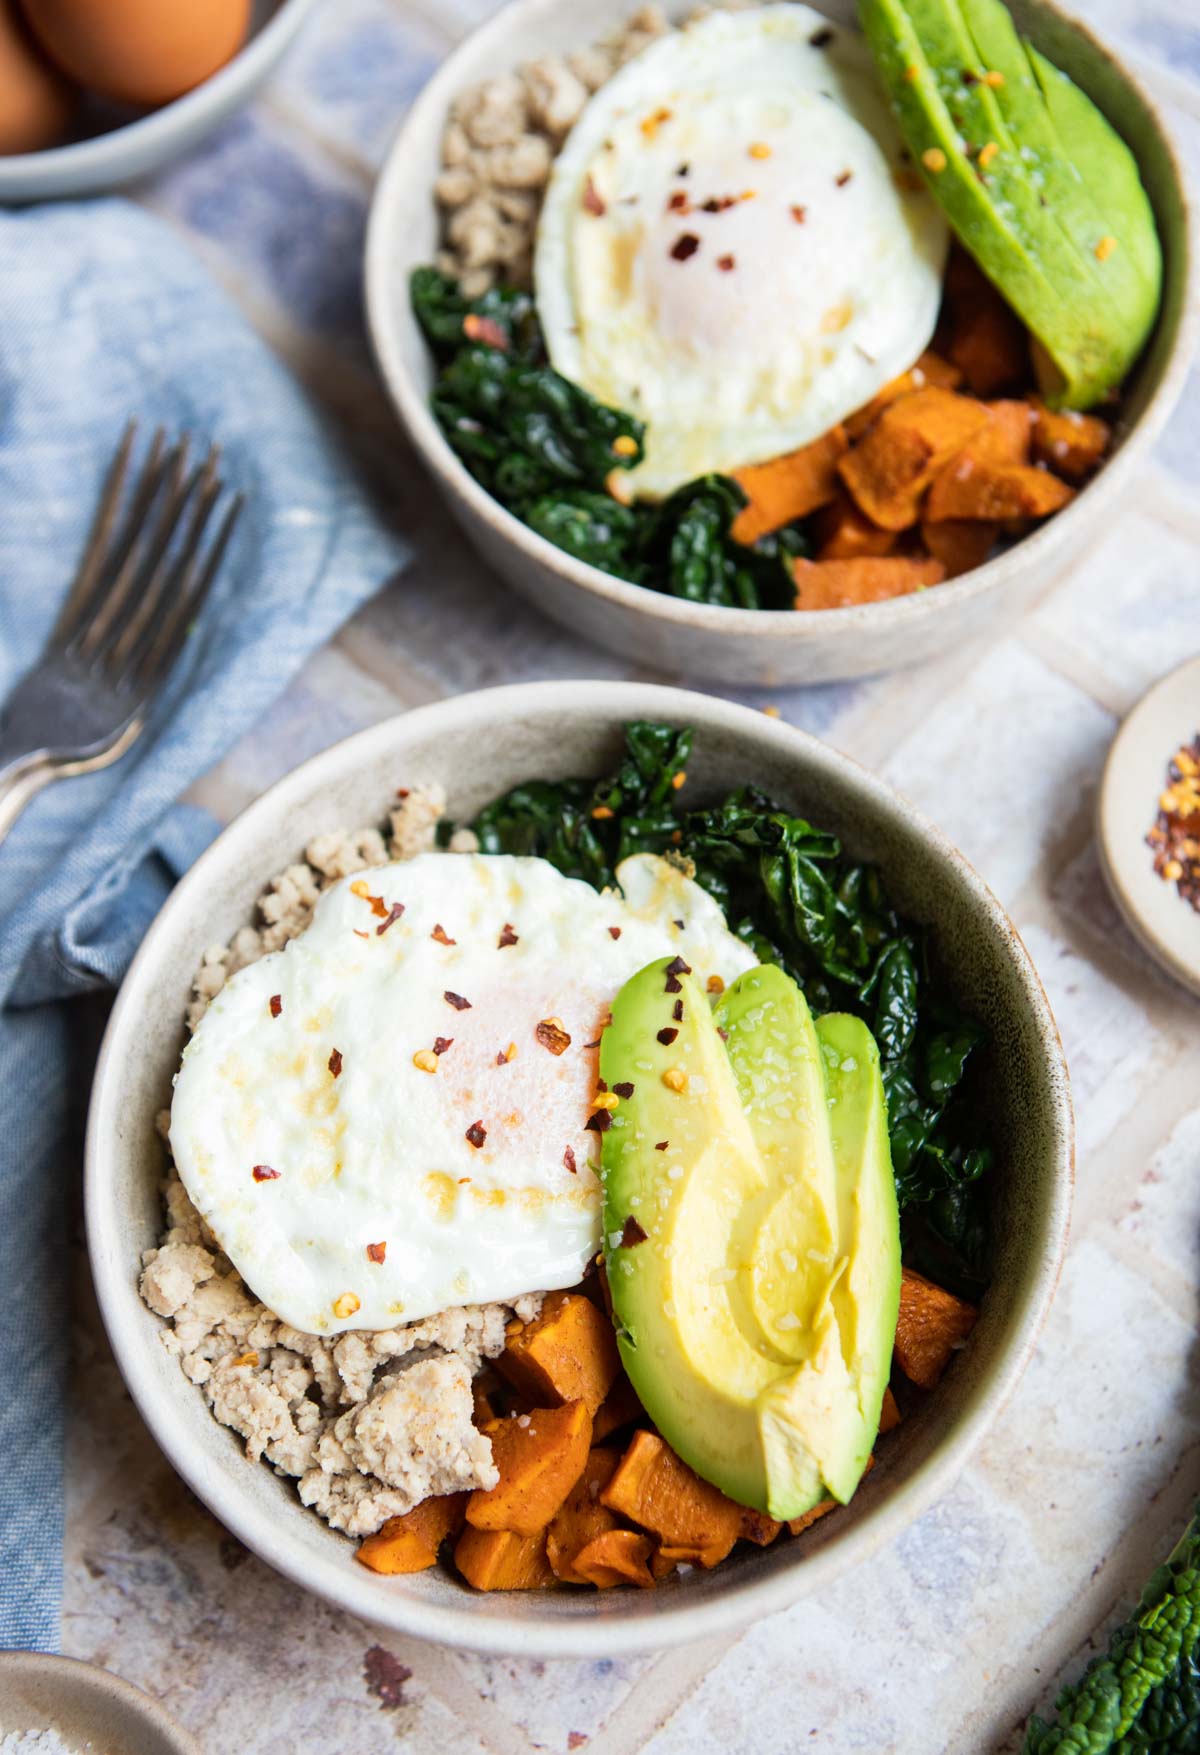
(1059, 185)
(751, 1232)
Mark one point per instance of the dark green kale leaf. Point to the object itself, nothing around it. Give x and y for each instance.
(1140, 1696)
(586, 828)
(791, 894)
(546, 449)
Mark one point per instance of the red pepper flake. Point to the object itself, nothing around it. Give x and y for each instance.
(684, 246)
(485, 329)
(675, 969)
(441, 1043)
(276, 1004)
(594, 1044)
(457, 1001)
(718, 203)
(679, 924)
(683, 170)
(569, 1162)
(402, 792)
(679, 202)
(725, 263)
(390, 919)
(600, 1122)
(376, 1252)
(624, 1090)
(614, 932)
(969, 76)
(799, 214)
(335, 1063)
(264, 1173)
(632, 1233)
(442, 936)
(551, 1034)
(360, 934)
(722, 1033)
(507, 1054)
(593, 201)
(507, 937)
(820, 38)
(843, 178)
(677, 1011)
(662, 1145)
(667, 1036)
(361, 889)
(476, 1134)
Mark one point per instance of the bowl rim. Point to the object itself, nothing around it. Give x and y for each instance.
(126, 1319)
(24, 173)
(386, 315)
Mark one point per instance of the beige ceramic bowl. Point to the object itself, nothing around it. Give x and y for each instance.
(768, 647)
(87, 1709)
(478, 746)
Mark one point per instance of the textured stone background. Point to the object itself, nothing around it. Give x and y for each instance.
(953, 1634)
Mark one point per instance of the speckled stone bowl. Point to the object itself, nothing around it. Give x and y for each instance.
(87, 1708)
(477, 746)
(766, 647)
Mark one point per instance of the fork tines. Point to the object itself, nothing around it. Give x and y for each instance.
(144, 576)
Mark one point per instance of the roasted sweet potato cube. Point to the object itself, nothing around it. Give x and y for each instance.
(1006, 436)
(1071, 444)
(987, 341)
(931, 368)
(844, 534)
(501, 1560)
(567, 1353)
(788, 487)
(890, 1415)
(758, 1528)
(620, 1407)
(889, 470)
(993, 492)
(933, 1323)
(961, 544)
(654, 1488)
(617, 1557)
(582, 1517)
(662, 1562)
(839, 584)
(410, 1543)
(540, 1457)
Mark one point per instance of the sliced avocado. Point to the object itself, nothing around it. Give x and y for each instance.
(1110, 171)
(1056, 174)
(950, 116)
(751, 1267)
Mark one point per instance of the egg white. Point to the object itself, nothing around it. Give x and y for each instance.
(303, 1066)
(816, 280)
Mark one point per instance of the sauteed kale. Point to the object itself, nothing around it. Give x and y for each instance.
(546, 449)
(796, 899)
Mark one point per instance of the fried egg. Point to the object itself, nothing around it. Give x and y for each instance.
(389, 1117)
(733, 246)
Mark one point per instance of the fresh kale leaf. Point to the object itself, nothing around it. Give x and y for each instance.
(1140, 1696)
(794, 897)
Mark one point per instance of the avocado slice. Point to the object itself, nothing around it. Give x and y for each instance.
(1072, 177)
(1022, 238)
(1110, 171)
(754, 1276)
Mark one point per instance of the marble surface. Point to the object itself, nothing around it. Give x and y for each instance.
(950, 1637)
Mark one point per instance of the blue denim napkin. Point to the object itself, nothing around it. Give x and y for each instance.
(105, 314)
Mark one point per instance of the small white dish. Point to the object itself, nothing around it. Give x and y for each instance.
(104, 161)
(1164, 720)
(90, 1711)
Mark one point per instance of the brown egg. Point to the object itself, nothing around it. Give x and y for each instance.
(35, 100)
(140, 51)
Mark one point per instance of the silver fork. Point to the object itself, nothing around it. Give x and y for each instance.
(141, 584)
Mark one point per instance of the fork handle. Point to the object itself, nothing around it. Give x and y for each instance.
(21, 781)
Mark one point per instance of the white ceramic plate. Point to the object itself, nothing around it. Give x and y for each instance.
(104, 161)
(1134, 776)
(87, 1708)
